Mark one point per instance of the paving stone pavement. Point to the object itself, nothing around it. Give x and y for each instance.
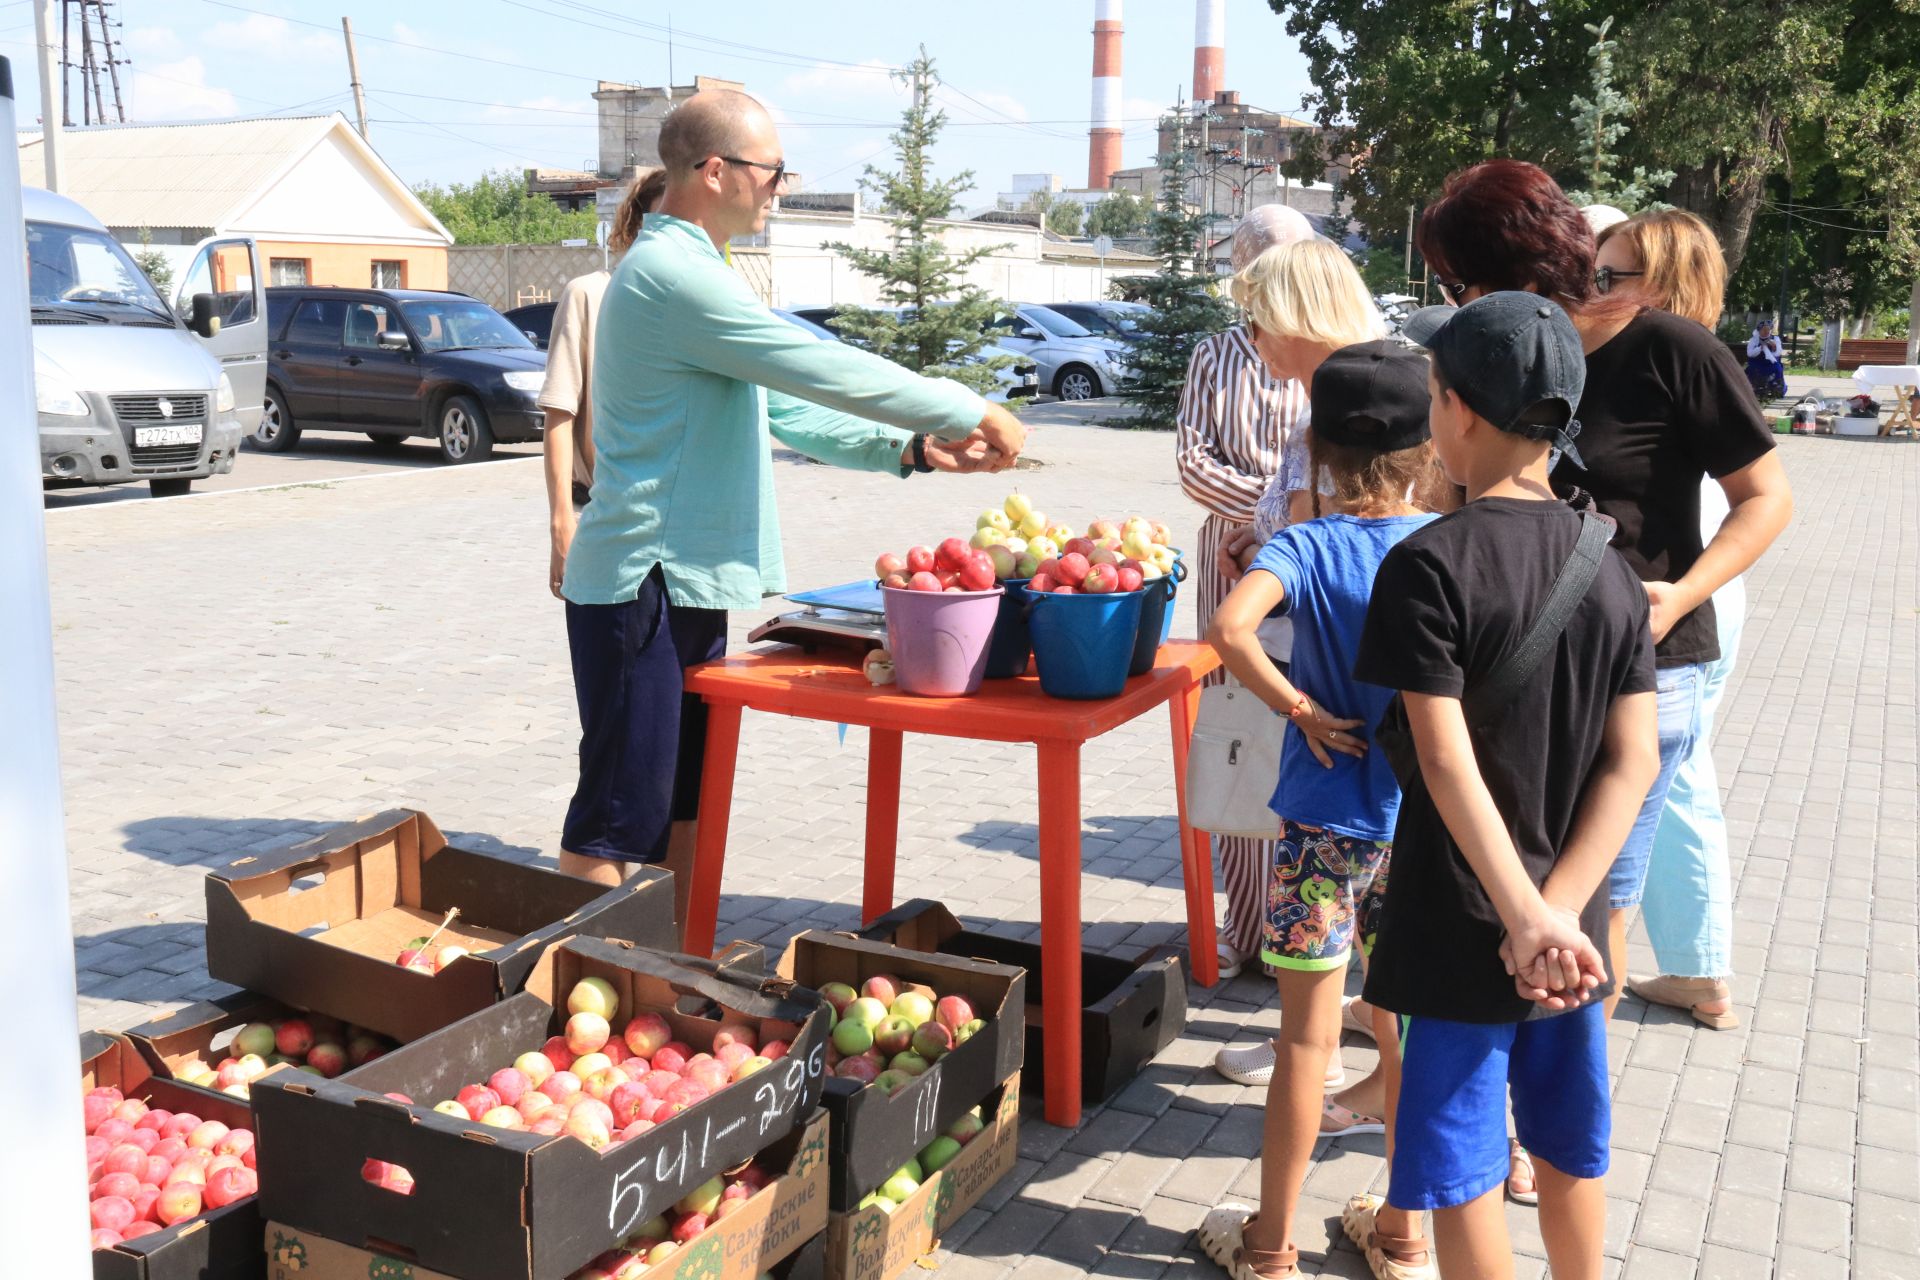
(242, 670)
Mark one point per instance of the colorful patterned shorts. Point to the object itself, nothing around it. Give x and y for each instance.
(1326, 890)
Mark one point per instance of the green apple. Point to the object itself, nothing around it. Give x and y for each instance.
(968, 1030)
(1044, 547)
(908, 1061)
(874, 1200)
(255, 1037)
(912, 1006)
(853, 1037)
(594, 995)
(899, 1188)
(452, 1108)
(984, 538)
(866, 1009)
(1018, 507)
(1032, 526)
(912, 1169)
(704, 1198)
(939, 1153)
(992, 519)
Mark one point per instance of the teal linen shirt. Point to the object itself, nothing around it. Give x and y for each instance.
(693, 378)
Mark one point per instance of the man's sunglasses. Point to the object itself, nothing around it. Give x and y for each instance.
(1604, 277)
(779, 170)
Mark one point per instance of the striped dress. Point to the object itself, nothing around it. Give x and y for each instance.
(1236, 425)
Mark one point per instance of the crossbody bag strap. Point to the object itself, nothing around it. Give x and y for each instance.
(1569, 589)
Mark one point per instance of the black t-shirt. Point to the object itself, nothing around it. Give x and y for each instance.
(1449, 602)
(1666, 404)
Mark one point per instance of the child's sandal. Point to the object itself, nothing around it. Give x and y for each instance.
(1222, 1237)
(1390, 1257)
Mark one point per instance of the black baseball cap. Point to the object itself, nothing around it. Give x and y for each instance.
(1515, 358)
(1371, 395)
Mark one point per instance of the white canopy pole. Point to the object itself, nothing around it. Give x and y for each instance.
(43, 1185)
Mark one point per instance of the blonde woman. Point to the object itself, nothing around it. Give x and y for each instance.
(1671, 260)
(1236, 423)
(566, 394)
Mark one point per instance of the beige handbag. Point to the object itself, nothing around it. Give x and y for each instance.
(1233, 764)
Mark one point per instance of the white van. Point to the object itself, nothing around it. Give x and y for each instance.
(132, 386)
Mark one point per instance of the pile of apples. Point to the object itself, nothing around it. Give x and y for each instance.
(605, 1088)
(312, 1042)
(416, 956)
(1014, 542)
(151, 1168)
(886, 1034)
(660, 1238)
(935, 1156)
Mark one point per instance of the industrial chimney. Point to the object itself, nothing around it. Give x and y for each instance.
(1209, 50)
(1103, 139)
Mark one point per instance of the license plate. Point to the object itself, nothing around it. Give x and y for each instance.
(148, 437)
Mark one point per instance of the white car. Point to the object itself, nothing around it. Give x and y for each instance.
(1017, 381)
(1074, 364)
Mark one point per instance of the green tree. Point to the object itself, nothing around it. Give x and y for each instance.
(1120, 214)
(1601, 123)
(1185, 309)
(154, 265)
(941, 322)
(1057, 213)
(496, 209)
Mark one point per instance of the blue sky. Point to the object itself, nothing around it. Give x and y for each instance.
(458, 86)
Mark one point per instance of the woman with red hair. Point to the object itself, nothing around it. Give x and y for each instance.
(1665, 406)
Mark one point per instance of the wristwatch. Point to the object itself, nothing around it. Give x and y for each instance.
(920, 463)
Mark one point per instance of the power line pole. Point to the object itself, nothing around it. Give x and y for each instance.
(49, 122)
(353, 73)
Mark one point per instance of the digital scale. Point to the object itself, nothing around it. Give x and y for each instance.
(850, 616)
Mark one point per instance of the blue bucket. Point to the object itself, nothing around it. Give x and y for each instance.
(1008, 650)
(1082, 644)
(1156, 620)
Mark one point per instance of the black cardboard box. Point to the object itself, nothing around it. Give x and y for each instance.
(221, 1244)
(319, 924)
(1132, 1008)
(781, 1230)
(874, 1133)
(872, 1244)
(497, 1204)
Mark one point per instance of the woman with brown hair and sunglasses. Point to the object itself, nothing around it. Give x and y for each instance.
(1666, 406)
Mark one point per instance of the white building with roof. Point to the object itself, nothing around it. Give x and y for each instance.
(321, 203)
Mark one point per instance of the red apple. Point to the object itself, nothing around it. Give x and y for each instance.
(888, 565)
(686, 1094)
(130, 1111)
(1079, 546)
(1130, 578)
(1073, 568)
(951, 553)
(919, 559)
(626, 1102)
(126, 1158)
(294, 1037)
(1104, 555)
(977, 573)
(839, 995)
(141, 1227)
(859, 1067)
(689, 1227)
(102, 1238)
(898, 581)
(966, 1128)
(711, 1075)
(477, 1099)
(736, 1033)
(155, 1119)
(329, 1059)
(881, 987)
(1100, 580)
(953, 1011)
(587, 1032)
(657, 1082)
(602, 1083)
(237, 1143)
(509, 1083)
(558, 1054)
(155, 1174)
(774, 1050)
(123, 1185)
(168, 1149)
(932, 1041)
(561, 1085)
(96, 1110)
(1065, 590)
(924, 580)
(207, 1136)
(672, 1057)
(949, 579)
(229, 1185)
(588, 1127)
(893, 1035)
(113, 1213)
(647, 1034)
(532, 1103)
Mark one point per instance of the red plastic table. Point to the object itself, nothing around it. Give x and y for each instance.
(820, 687)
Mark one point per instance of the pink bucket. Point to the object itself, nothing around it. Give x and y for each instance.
(939, 639)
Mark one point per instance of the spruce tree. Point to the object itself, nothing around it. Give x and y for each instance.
(940, 327)
(1600, 123)
(1185, 309)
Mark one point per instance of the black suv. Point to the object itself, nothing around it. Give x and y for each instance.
(395, 363)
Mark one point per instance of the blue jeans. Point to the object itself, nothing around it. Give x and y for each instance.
(1689, 902)
(1679, 694)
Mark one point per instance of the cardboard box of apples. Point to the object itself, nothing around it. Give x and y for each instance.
(422, 1153)
(763, 1217)
(325, 924)
(1133, 1007)
(881, 1238)
(171, 1174)
(908, 1067)
(220, 1047)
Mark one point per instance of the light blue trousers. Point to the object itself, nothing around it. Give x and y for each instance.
(1688, 907)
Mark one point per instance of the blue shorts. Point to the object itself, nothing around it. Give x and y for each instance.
(642, 736)
(1450, 1135)
(1679, 690)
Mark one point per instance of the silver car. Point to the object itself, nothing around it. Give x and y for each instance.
(1074, 364)
(1017, 381)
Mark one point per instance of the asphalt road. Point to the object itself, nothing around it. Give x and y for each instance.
(319, 457)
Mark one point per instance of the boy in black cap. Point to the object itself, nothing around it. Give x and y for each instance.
(1334, 799)
(1520, 646)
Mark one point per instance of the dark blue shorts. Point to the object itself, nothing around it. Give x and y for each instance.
(1450, 1135)
(642, 735)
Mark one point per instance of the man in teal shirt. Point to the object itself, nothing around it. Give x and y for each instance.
(693, 379)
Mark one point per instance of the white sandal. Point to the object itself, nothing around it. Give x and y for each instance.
(1253, 1064)
(1222, 1237)
(1231, 962)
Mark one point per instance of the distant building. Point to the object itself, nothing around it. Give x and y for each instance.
(630, 120)
(321, 204)
(571, 189)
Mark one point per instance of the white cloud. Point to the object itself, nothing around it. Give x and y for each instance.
(261, 34)
(844, 82)
(1142, 113)
(152, 42)
(178, 91)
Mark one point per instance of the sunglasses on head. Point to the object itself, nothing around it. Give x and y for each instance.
(1604, 277)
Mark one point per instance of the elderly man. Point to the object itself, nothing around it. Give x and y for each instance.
(694, 379)
(1236, 424)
